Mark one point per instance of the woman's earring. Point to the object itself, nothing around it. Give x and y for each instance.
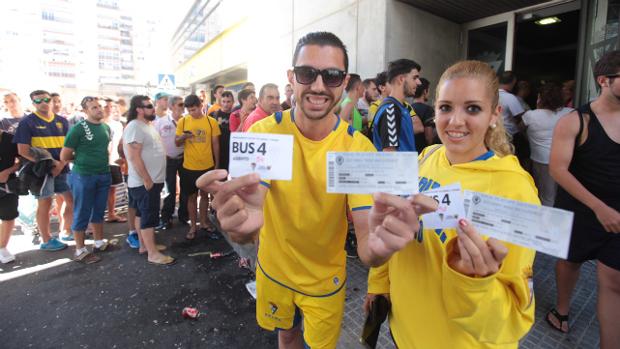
(493, 125)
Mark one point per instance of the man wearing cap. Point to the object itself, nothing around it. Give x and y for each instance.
(161, 105)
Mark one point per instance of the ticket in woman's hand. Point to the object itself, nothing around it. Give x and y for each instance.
(372, 172)
(544, 229)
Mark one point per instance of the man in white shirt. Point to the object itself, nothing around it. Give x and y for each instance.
(512, 110)
(166, 126)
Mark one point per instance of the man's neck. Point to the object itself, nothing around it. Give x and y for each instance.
(505, 88)
(198, 117)
(419, 100)
(143, 119)
(315, 130)
(18, 114)
(607, 104)
(47, 115)
(399, 94)
(176, 117)
(93, 121)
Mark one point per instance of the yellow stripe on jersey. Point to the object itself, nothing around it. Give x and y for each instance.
(48, 142)
(302, 239)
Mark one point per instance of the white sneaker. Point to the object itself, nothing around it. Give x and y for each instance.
(6, 256)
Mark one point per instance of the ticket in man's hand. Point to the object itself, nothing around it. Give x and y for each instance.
(269, 155)
(544, 229)
(372, 172)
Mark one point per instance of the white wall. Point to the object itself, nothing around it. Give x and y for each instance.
(431, 41)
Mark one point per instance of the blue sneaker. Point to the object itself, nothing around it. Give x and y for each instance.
(67, 237)
(133, 241)
(52, 245)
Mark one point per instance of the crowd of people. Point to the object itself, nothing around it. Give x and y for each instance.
(445, 288)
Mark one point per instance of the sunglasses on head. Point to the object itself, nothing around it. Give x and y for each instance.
(331, 77)
(148, 106)
(41, 100)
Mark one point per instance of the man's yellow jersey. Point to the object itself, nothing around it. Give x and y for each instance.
(198, 151)
(301, 244)
(434, 306)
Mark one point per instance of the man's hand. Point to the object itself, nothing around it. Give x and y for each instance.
(370, 298)
(609, 218)
(58, 166)
(472, 256)
(238, 202)
(148, 183)
(393, 223)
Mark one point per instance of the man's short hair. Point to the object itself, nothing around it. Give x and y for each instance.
(134, 104)
(86, 100)
(172, 100)
(192, 101)
(261, 93)
(321, 39)
(424, 86)
(381, 79)
(54, 94)
(354, 80)
(507, 77)
(11, 93)
(247, 85)
(38, 92)
(608, 64)
(401, 66)
(217, 87)
(108, 100)
(228, 94)
(244, 94)
(368, 81)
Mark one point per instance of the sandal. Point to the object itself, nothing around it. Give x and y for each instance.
(560, 318)
(167, 260)
(87, 258)
(116, 220)
(157, 246)
(191, 235)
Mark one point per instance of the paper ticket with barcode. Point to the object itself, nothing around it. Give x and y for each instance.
(544, 229)
(372, 172)
(269, 155)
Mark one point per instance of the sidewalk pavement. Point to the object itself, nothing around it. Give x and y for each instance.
(123, 302)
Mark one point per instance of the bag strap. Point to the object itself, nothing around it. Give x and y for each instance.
(429, 153)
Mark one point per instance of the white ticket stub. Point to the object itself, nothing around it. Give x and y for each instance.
(544, 229)
(372, 172)
(269, 155)
(449, 210)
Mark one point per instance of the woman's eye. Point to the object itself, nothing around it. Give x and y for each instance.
(444, 108)
(473, 109)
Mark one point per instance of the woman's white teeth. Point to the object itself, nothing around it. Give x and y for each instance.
(455, 134)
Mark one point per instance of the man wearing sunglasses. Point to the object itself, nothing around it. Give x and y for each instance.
(46, 130)
(300, 274)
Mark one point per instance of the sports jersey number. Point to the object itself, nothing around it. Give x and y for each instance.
(248, 148)
(444, 200)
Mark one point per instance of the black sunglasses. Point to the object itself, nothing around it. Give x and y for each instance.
(180, 105)
(148, 106)
(40, 100)
(613, 76)
(331, 77)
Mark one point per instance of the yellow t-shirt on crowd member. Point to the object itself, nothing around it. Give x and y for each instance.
(434, 306)
(302, 239)
(198, 154)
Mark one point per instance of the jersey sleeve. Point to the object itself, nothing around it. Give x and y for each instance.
(498, 308)
(388, 126)
(23, 135)
(73, 138)
(527, 117)
(379, 279)
(180, 126)
(234, 121)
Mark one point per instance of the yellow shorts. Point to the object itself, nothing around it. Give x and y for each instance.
(280, 308)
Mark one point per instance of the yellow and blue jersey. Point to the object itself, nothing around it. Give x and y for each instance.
(301, 244)
(434, 306)
(43, 132)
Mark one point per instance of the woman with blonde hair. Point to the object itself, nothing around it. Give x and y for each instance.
(454, 288)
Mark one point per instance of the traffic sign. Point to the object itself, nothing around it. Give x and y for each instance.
(166, 82)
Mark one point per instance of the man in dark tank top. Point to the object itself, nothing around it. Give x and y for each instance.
(585, 162)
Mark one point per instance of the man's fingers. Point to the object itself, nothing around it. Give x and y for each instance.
(391, 241)
(230, 187)
(228, 208)
(206, 181)
(231, 222)
(397, 227)
(423, 204)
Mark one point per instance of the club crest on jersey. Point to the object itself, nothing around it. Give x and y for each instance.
(274, 308)
(59, 125)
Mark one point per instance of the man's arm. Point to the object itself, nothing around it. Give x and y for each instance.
(215, 146)
(346, 112)
(418, 127)
(134, 156)
(67, 154)
(562, 149)
(24, 151)
(388, 127)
